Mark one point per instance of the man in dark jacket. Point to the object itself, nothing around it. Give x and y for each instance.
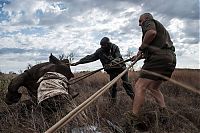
(109, 55)
(158, 51)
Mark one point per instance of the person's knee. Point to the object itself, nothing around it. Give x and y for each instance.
(154, 86)
(139, 89)
(140, 86)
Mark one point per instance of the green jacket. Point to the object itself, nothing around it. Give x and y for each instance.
(106, 57)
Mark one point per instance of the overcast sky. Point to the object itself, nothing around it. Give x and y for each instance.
(32, 29)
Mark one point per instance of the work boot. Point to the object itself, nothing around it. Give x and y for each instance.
(133, 122)
(164, 115)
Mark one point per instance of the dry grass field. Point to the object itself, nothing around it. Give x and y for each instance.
(106, 117)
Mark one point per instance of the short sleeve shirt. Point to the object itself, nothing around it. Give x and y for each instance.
(148, 25)
(162, 39)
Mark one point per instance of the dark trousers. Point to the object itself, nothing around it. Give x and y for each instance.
(127, 86)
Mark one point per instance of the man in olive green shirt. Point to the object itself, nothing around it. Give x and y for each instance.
(158, 51)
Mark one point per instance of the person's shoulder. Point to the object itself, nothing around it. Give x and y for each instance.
(149, 22)
(149, 25)
(113, 45)
(158, 23)
(99, 50)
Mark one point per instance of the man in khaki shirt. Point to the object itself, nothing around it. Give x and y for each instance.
(158, 51)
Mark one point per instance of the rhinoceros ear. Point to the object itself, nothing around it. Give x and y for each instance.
(54, 60)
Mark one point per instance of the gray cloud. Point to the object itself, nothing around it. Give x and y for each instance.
(58, 26)
(174, 8)
(12, 50)
(191, 30)
(41, 52)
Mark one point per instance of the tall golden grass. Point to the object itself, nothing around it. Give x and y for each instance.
(184, 105)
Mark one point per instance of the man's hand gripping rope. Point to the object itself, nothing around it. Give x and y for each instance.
(139, 56)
